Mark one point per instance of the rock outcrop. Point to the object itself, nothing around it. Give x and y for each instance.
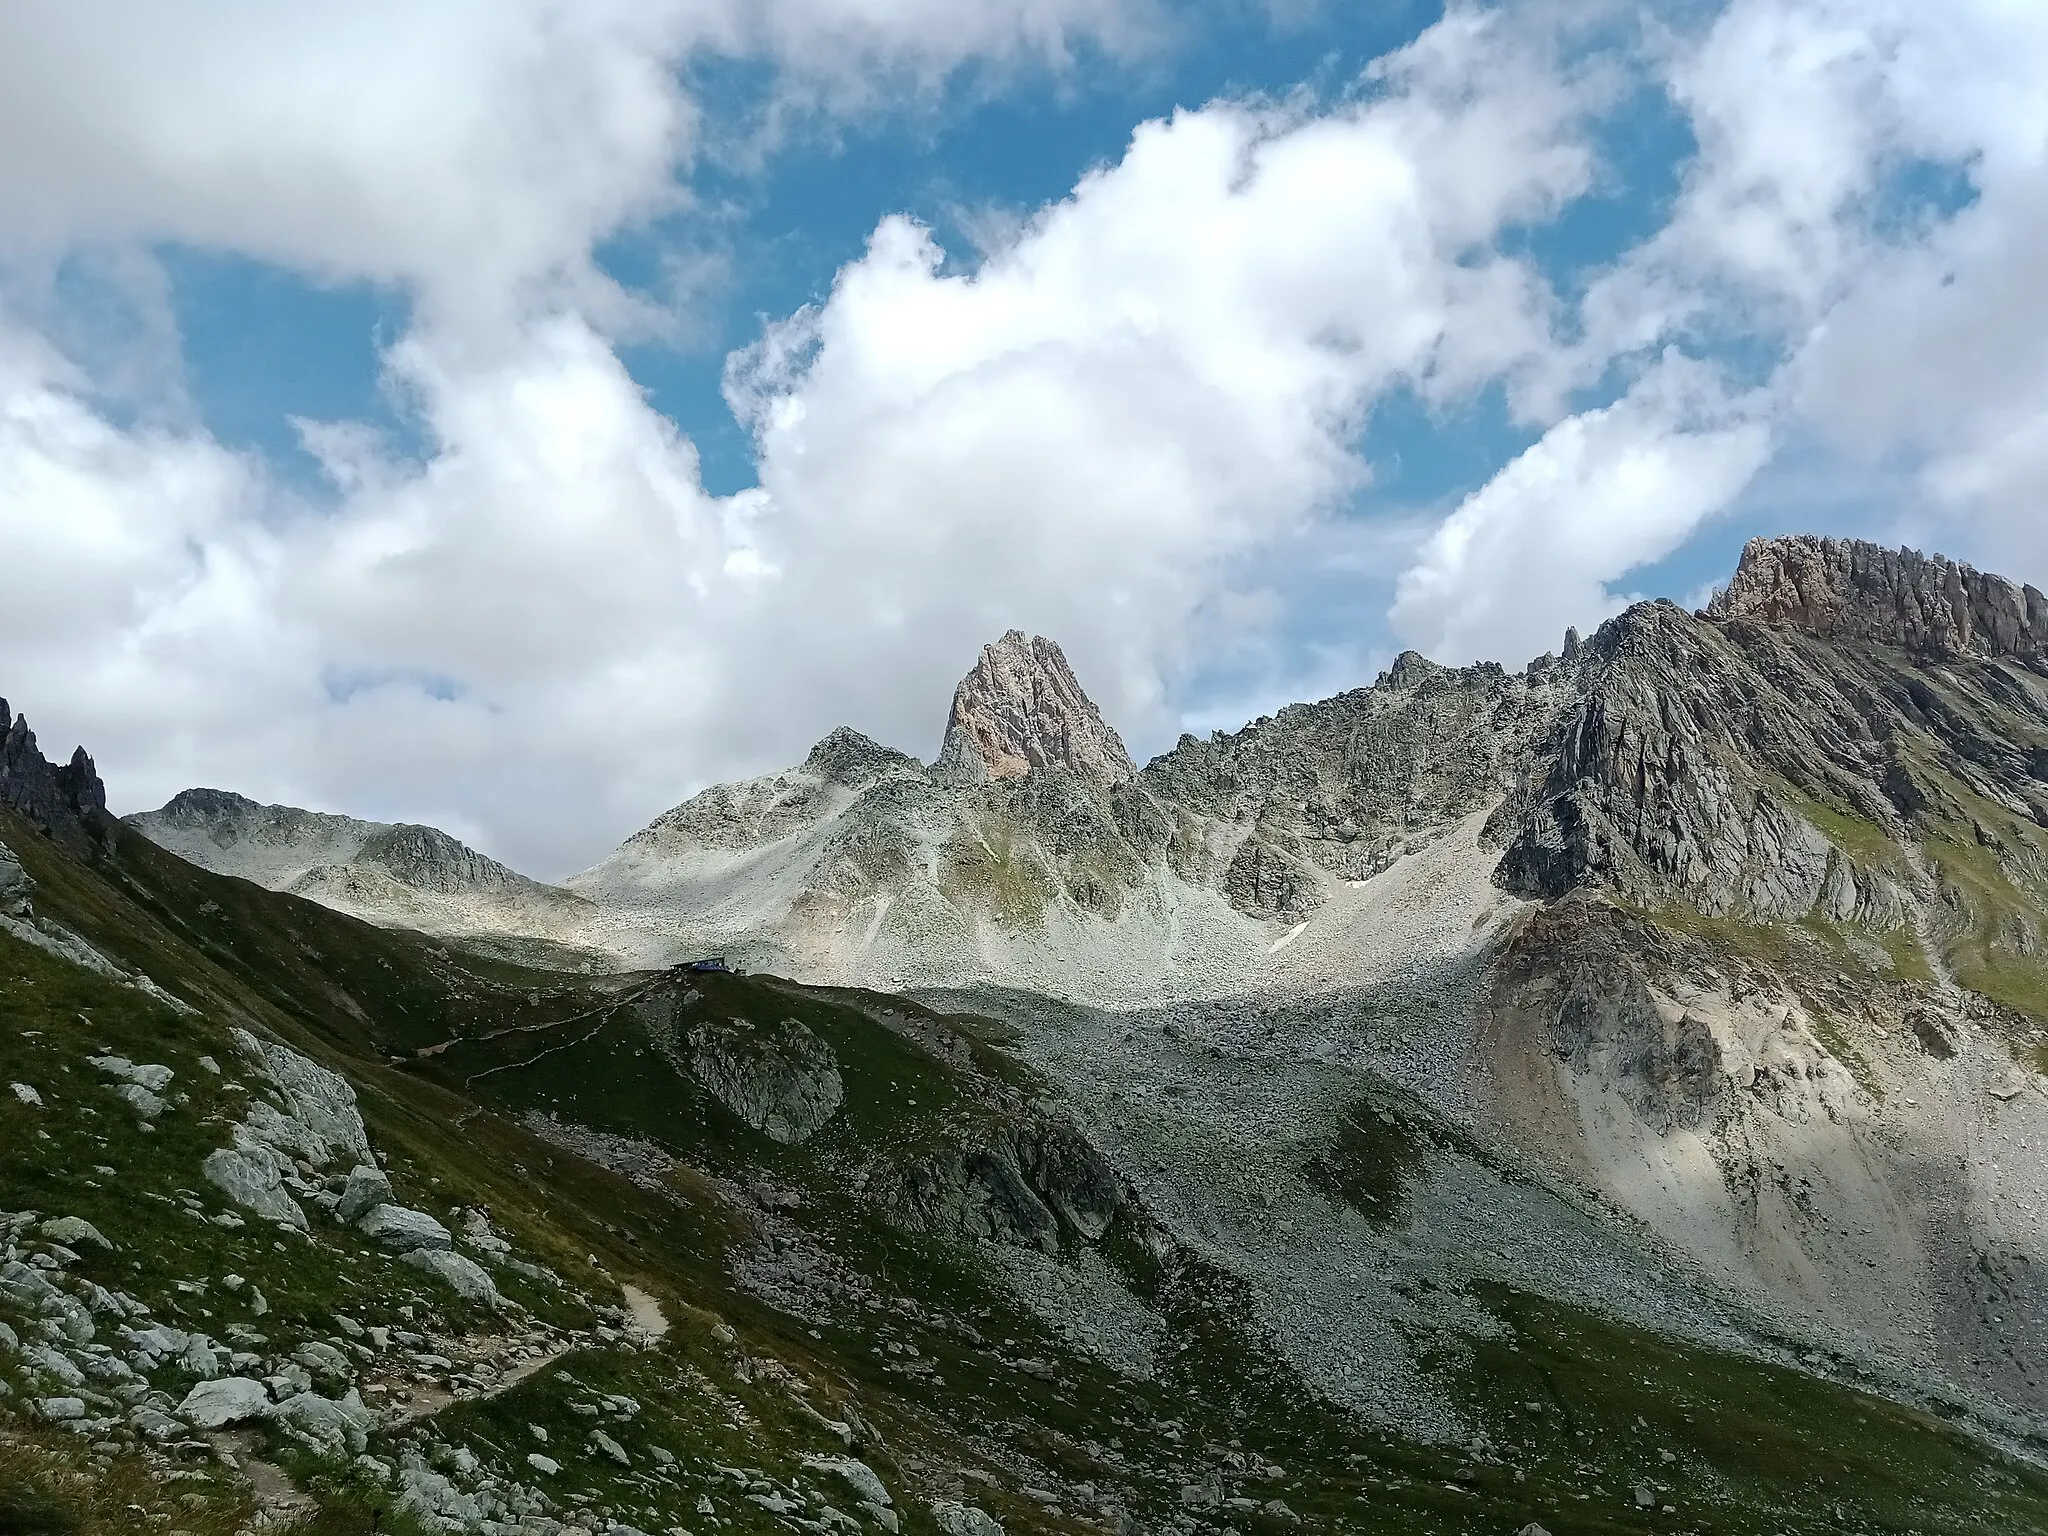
(1022, 710)
(1845, 589)
(1024, 1185)
(63, 802)
(781, 1080)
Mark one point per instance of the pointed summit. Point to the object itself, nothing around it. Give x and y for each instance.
(1020, 709)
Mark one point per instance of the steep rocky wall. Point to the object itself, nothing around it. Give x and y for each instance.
(1845, 589)
(1689, 767)
(63, 801)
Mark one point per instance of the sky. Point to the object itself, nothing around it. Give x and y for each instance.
(515, 415)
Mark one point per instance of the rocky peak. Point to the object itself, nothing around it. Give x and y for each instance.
(1021, 709)
(1845, 589)
(847, 757)
(64, 801)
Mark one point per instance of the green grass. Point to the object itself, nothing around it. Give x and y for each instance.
(1760, 1449)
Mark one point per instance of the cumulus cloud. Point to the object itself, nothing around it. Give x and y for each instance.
(1150, 381)
(1130, 421)
(1601, 493)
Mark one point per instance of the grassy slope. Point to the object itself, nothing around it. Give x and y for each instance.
(1758, 1449)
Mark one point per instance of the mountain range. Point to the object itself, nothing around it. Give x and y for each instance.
(1482, 1097)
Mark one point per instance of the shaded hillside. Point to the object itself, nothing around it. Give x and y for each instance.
(856, 1283)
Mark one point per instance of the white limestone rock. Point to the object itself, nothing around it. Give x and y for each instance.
(964, 1520)
(229, 1400)
(367, 1188)
(74, 1232)
(463, 1276)
(403, 1230)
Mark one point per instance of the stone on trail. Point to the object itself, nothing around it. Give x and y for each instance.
(333, 1429)
(230, 1400)
(403, 1230)
(467, 1279)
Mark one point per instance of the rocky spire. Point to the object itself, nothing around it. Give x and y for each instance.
(1022, 709)
(1845, 589)
(61, 801)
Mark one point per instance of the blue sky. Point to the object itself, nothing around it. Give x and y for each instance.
(369, 426)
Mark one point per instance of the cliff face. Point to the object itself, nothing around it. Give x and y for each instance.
(1845, 589)
(1022, 709)
(63, 801)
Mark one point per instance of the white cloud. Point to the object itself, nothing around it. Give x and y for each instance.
(471, 151)
(1131, 423)
(1601, 493)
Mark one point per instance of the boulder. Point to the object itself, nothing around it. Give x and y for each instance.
(333, 1430)
(857, 1475)
(320, 1120)
(367, 1188)
(74, 1232)
(153, 1077)
(141, 1100)
(964, 1520)
(462, 1275)
(230, 1400)
(251, 1174)
(403, 1230)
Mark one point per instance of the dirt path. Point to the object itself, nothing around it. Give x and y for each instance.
(647, 1313)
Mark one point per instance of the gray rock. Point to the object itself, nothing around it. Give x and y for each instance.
(52, 1362)
(154, 1423)
(250, 1173)
(435, 1502)
(607, 1446)
(782, 1080)
(320, 1119)
(16, 888)
(27, 1095)
(74, 1232)
(964, 1520)
(60, 1409)
(141, 1100)
(230, 1400)
(335, 1430)
(464, 1276)
(367, 1188)
(324, 1360)
(403, 1230)
(857, 1475)
(155, 1078)
(1020, 711)
(547, 1466)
